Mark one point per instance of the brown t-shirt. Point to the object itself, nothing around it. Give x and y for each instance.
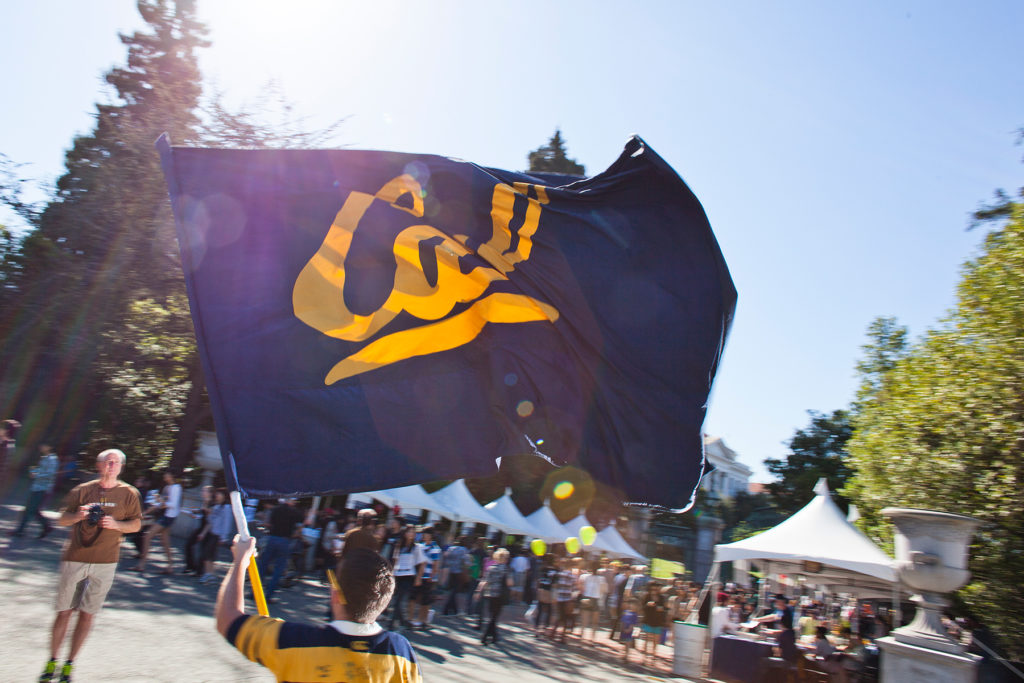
(94, 544)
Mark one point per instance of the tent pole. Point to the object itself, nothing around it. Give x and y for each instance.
(762, 595)
(243, 535)
(709, 584)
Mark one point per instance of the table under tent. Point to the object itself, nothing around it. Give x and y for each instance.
(821, 545)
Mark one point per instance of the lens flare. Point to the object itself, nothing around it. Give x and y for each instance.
(564, 489)
(525, 408)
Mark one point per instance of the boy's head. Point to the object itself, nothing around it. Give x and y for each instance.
(366, 583)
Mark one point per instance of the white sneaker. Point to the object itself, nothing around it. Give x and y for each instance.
(207, 578)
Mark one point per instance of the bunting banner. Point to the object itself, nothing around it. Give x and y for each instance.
(368, 320)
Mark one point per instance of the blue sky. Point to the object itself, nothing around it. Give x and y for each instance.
(838, 148)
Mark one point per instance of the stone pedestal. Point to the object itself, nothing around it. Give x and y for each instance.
(905, 662)
(931, 558)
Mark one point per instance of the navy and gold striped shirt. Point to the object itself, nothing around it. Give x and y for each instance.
(300, 653)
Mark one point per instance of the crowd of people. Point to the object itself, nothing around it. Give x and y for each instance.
(463, 576)
(413, 574)
(828, 637)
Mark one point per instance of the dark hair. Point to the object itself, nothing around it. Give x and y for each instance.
(402, 543)
(822, 631)
(365, 580)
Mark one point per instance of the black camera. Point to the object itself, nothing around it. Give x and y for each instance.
(95, 514)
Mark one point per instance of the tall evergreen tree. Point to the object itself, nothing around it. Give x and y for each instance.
(104, 243)
(552, 158)
(817, 451)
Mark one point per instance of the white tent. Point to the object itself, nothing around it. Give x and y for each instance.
(573, 527)
(547, 525)
(611, 537)
(512, 519)
(820, 544)
(462, 506)
(407, 497)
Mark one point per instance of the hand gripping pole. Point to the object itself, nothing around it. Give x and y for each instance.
(254, 574)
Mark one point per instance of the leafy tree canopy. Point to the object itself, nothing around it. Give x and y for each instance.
(944, 427)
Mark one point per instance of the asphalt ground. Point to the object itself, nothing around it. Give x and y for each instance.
(160, 628)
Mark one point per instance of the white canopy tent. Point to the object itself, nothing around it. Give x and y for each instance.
(462, 506)
(819, 543)
(611, 537)
(547, 525)
(505, 510)
(413, 497)
(573, 527)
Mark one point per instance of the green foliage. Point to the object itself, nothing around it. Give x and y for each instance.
(746, 514)
(552, 158)
(887, 345)
(103, 243)
(744, 530)
(95, 336)
(146, 366)
(944, 429)
(816, 451)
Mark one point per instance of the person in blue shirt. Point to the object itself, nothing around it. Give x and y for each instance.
(43, 476)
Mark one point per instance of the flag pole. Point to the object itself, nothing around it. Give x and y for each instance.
(243, 535)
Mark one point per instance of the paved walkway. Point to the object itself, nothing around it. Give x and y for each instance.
(157, 628)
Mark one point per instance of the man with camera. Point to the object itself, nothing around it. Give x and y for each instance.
(99, 512)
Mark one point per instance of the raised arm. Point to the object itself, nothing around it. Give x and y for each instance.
(230, 598)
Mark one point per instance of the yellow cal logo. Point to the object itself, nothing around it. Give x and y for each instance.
(360, 645)
(318, 296)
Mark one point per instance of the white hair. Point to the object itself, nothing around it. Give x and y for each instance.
(113, 451)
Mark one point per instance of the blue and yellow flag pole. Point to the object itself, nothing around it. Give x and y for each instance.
(243, 535)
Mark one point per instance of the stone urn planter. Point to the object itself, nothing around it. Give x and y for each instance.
(931, 558)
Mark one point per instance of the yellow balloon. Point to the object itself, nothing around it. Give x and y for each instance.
(539, 547)
(588, 535)
(572, 544)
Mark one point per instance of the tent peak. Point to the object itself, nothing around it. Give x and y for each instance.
(821, 488)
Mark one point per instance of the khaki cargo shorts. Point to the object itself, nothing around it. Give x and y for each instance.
(84, 586)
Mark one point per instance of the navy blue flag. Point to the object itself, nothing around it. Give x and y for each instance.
(373, 319)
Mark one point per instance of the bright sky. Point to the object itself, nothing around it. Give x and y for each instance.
(838, 148)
